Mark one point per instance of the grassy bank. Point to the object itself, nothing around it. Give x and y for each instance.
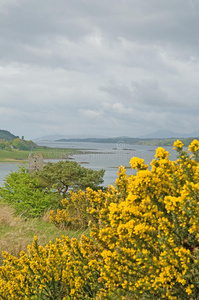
(16, 233)
(48, 153)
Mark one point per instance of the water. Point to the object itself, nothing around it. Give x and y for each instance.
(5, 169)
(106, 156)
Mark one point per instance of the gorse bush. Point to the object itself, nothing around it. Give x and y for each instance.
(143, 244)
(52, 272)
(81, 208)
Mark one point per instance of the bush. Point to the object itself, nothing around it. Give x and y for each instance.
(144, 240)
(77, 209)
(151, 240)
(57, 271)
(24, 193)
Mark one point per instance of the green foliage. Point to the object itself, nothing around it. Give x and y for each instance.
(23, 191)
(66, 175)
(5, 146)
(32, 194)
(23, 145)
(6, 135)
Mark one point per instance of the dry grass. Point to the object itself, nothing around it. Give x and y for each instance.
(8, 224)
(7, 216)
(46, 216)
(16, 233)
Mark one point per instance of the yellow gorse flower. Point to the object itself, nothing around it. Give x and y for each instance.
(194, 146)
(144, 239)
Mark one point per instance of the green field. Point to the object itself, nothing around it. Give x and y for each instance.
(48, 153)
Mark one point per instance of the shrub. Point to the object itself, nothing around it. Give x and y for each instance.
(57, 271)
(82, 207)
(150, 241)
(144, 240)
(24, 193)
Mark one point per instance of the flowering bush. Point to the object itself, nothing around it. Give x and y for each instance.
(58, 271)
(143, 244)
(83, 207)
(151, 240)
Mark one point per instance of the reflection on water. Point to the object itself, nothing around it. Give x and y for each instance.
(100, 156)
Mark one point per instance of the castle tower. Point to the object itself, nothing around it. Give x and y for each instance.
(35, 162)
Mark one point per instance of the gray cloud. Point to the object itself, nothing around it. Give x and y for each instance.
(89, 67)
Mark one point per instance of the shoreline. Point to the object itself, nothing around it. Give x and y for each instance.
(20, 156)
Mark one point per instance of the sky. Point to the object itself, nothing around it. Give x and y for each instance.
(90, 68)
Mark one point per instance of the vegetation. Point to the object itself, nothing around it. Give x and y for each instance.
(24, 193)
(15, 155)
(32, 194)
(65, 175)
(121, 141)
(143, 241)
(21, 144)
(16, 233)
(164, 142)
(18, 144)
(12, 148)
(6, 135)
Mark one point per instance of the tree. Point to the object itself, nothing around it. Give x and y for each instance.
(65, 175)
(24, 193)
(22, 144)
(5, 146)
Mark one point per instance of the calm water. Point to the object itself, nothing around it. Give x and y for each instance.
(5, 170)
(99, 156)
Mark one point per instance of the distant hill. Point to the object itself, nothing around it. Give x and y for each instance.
(101, 140)
(162, 134)
(6, 135)
(121, 141)
(51, 137)
(58, 137)
(167, 134)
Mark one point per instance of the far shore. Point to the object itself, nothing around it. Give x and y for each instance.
(17, 156)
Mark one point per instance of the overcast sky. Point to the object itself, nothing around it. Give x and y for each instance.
(98, 67)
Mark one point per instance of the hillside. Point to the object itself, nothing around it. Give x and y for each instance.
(132, 141)
(6, 135)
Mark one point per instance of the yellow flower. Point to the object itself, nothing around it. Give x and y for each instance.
(161, 153)
(178, 145)
(194, 146)
(138, 163)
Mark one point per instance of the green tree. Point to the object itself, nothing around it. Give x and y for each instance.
(22, 144)
(23, 191)
(5, 145)
(65, 175)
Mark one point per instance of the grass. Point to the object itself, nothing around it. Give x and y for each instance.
(16, 233)
(48, 153)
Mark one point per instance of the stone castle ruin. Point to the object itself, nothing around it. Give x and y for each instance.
(35, 162)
